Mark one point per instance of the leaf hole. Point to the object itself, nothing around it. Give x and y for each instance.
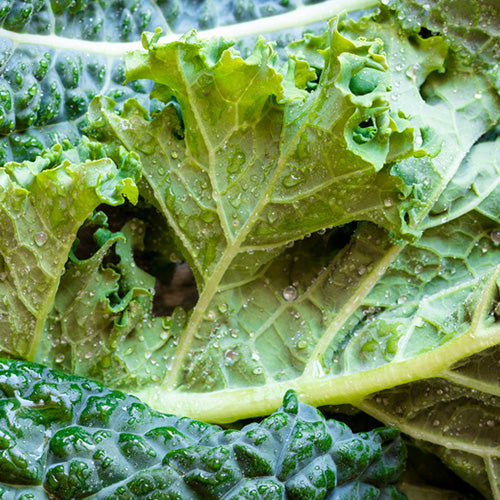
(365, 131)
(180, 291)
(427, 33)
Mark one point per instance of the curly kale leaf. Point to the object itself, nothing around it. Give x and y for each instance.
(243, 189)
(347, 310)
(56, 56)
(471, 28)
(66, 437)
(42, 206)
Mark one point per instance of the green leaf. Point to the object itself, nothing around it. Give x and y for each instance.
(472, 29)
(342, 314)
(57, 55)
(337, 202)
(233, 191)
(102, 324)
(68, 437)
(239, 186)
(42, 206)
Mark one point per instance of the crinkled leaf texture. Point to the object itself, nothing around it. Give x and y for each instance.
(340, 214)
(341, 314)
(42, 206)
(239, 186)
(56, 55)
(472, 29)
(64, 437)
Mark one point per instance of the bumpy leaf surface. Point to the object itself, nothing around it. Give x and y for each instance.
(64, 437)
(56, 55)
(471, 28)
(340, 312)
(338, 206)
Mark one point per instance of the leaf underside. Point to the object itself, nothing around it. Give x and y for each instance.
(338, 204)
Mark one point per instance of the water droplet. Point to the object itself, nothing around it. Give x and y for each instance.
(232, 356)
(41, 238)
(293, 179)
(302, 344)
(401, 300)
(290, 293)
(174, 155)
(235, 201)
(223, 308)
(361, 270)
(257, 371)
(59, 358)
(272, 217)
(388, 202)
(495, 236)
(478, 95)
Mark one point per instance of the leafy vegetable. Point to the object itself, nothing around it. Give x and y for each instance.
(43, 204)
(68, 438)
(335, 196)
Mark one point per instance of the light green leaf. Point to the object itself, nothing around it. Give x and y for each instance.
(56, 55)
(248, 172)
(471, 28)
(102, 323)
(238, 184)
(42, 206)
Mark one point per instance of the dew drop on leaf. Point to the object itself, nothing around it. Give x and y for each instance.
(272, 217)
(41, 238)
(231, 356)
(302, 344)
(495, 236)
(290, 293)
(293, 179)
